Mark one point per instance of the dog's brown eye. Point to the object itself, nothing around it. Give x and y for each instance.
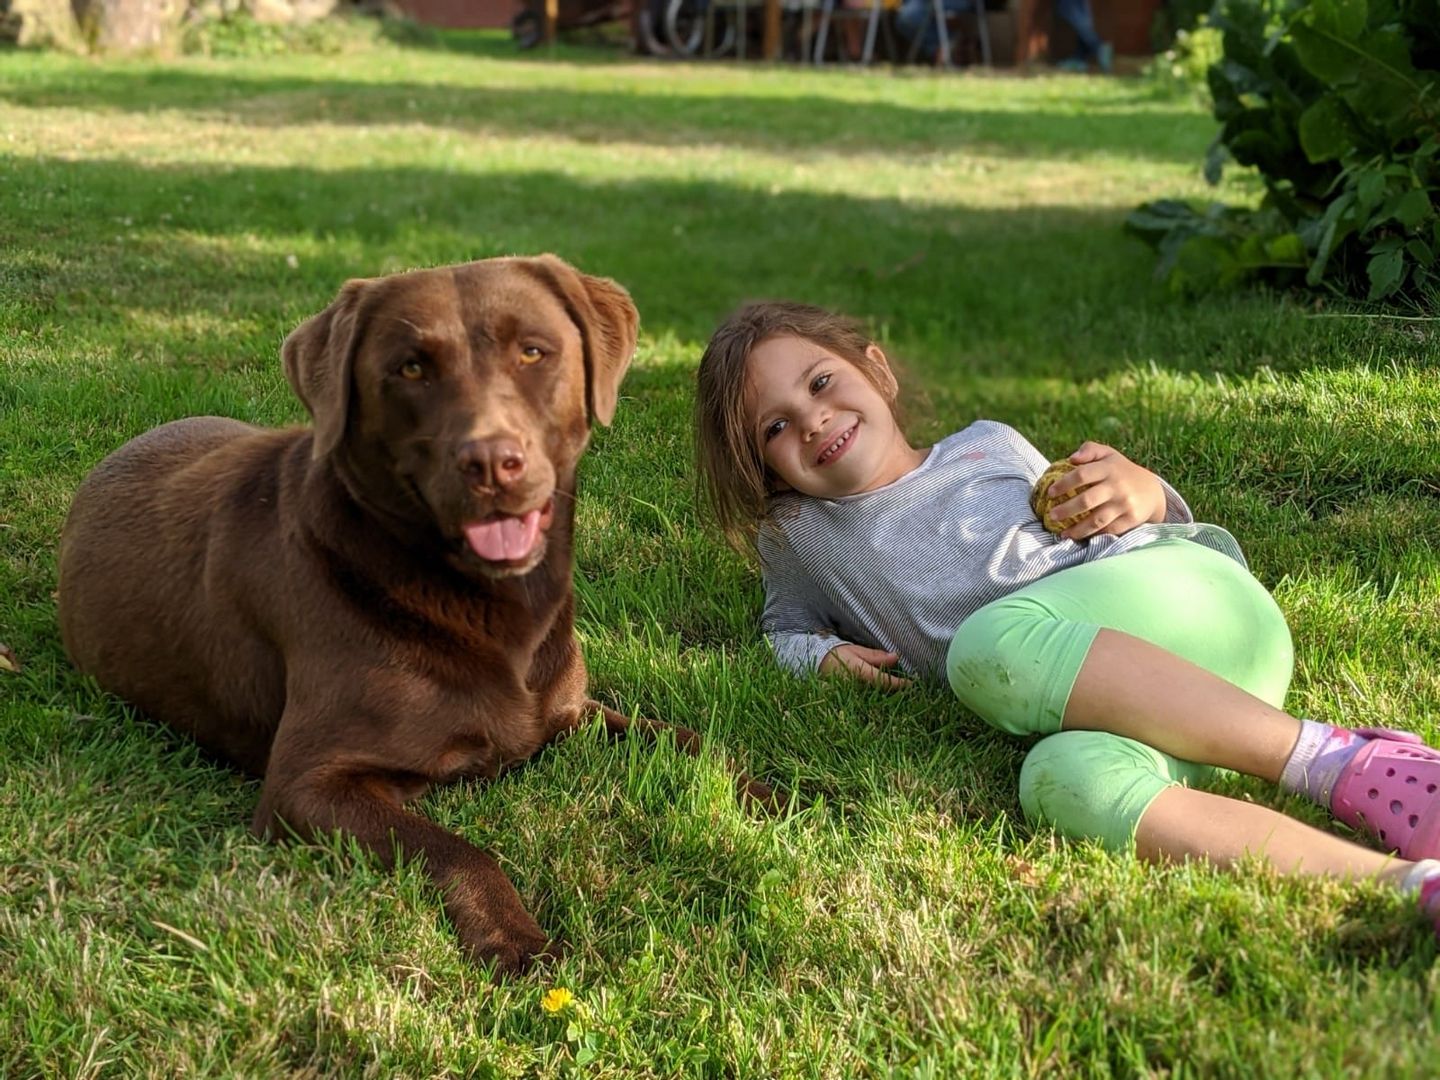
(531, 353)
(412, 369)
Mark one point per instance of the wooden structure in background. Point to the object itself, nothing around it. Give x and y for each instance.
(1040, 37)
(462, 14)
(1029, 25)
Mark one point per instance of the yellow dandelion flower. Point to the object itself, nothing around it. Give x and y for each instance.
(556, 1000)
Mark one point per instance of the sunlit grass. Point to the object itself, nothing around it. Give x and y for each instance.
(163, 225)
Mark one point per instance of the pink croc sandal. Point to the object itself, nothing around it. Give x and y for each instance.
(1391, 790)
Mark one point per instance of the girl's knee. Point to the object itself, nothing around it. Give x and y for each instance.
(1091, 785)
(1275, 656)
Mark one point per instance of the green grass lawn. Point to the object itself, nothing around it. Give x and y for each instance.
(163, 225)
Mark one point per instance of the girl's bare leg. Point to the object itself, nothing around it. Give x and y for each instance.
(1185, 823)
(1129, 687)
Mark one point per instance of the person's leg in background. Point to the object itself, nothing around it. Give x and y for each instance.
(1089, 46)
(916, 18)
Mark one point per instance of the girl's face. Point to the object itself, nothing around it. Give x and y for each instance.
(821, 426)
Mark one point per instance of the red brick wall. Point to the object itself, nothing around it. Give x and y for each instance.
(461, 14)
(1125, 24)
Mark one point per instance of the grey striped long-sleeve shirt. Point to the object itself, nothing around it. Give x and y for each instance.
(900, 568)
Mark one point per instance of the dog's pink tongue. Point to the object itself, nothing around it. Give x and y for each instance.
(505, 538)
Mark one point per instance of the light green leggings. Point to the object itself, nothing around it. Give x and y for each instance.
(1014, 663)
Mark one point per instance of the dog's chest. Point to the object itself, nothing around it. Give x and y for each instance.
(463, 757)
(446, 731)
(487, 745)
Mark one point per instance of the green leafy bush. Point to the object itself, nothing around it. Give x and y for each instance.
(1336, 103)
(1181, 66)
(229, 30)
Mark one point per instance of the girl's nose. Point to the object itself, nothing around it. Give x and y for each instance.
(815, 422)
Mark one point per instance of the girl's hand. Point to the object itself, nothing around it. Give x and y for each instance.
(1123, 494)
(867, 665)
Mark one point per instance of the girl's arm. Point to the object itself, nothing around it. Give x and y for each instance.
(795, 622)
(1120, 495)
(805, 653)
(800, 627)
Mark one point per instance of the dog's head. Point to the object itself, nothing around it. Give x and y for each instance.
(461, 398)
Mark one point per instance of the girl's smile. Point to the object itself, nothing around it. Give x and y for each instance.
(836, 449)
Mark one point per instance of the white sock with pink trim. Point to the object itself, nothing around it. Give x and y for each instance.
(1320, 756)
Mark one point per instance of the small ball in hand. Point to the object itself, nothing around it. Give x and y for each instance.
(1041, 500)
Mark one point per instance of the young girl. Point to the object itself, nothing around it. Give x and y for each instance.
(1136, 641)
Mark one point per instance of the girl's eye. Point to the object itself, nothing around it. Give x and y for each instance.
(774, 429)
(531, 354)
(821, 381)
(412, 369)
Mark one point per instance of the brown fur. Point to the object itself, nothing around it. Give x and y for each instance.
(303, 602)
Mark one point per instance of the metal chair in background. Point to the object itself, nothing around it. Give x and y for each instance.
(808, 24)
(875, 24)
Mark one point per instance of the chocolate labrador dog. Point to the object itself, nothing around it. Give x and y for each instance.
(382, 603)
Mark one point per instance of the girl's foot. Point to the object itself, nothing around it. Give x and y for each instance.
(1384, 783)
(1391, 790)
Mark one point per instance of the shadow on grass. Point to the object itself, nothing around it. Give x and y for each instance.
(594, 114)
(986, 305)
(199, 268)
(181, 305)
(603, 43)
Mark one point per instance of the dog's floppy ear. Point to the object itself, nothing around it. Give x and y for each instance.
(318, 355)
(608, 324)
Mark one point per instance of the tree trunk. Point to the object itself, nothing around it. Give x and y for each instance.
(122, 26)
(39, 23)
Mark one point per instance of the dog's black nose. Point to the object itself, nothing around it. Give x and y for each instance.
(492, 463)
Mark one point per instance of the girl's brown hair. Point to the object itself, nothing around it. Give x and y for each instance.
(732, 476)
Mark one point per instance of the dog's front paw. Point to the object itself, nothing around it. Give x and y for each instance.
(512, 948)
(492, 923)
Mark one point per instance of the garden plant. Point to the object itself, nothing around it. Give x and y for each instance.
(1336, 105)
